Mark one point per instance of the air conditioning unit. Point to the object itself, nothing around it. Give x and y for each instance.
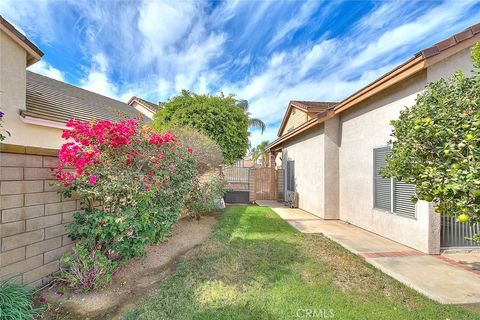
(292, 199)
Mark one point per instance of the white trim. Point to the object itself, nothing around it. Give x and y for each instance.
(44, 123)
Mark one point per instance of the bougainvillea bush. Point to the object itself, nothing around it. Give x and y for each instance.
(132, 183)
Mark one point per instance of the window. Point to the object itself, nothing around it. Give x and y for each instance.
(290, 175)
(390, 194)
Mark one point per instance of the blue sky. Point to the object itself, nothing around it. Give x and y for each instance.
(268, 52)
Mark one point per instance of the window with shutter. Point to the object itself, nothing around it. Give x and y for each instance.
(382, 192)
(290, 175)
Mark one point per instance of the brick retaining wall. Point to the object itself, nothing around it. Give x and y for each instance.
(33, 217)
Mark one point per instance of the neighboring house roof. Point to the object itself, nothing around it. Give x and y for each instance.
(418, 62)
(147, 104)
(34, 54)
(306, 106)
(313, 106)
(52, 100)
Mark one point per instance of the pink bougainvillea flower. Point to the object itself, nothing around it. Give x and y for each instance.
(146, 187)
(92, 179)
(190, 150)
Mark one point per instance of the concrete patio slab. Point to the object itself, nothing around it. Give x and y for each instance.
(451, 278)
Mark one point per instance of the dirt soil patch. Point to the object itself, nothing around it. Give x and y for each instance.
(137, 278)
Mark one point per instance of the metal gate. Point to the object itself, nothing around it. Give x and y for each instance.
(265, 184)
(453, 233)
(237, 184)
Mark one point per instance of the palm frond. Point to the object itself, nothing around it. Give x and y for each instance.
(257, 123)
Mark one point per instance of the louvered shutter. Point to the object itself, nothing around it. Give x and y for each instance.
(382, 186)
(291, 175)
(402, 199)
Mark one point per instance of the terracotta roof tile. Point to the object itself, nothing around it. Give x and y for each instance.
(310, 105)
(450, 42)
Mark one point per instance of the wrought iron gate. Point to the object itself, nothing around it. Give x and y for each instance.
(237, 184)
(454, 234)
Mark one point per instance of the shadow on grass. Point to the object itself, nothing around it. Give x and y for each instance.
(255, 266)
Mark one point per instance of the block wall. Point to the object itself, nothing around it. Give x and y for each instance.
(32, 219)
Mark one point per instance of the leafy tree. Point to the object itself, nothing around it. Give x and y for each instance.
(218, 117)
(252, 122)
(260, 152)
(436, 145)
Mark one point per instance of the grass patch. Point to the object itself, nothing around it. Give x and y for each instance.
(255, 266)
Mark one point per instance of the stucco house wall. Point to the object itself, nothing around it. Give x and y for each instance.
(307, 152)
(13, 96)
(295, 119)
(365, 127)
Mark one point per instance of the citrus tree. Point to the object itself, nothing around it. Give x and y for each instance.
(436, 145)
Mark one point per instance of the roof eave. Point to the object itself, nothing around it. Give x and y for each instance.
(42, 122)
(34, 54)
(320, 118)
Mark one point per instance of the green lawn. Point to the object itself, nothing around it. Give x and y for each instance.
(255, 266)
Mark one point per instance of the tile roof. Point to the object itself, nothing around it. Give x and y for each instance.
(313, 105)
(53, 100)
(450, 42)
(146, 103)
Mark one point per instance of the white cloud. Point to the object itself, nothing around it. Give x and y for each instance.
(47, 70)
(97, 79)
(292, 25)
(154, 49)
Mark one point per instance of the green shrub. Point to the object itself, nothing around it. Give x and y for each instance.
(132, 183)
(17, 302)
(204, 197)
(436, 145)
(205, 151)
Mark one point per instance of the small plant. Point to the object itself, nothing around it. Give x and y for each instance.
(205, 197)
(3, 133)
(85, 269)
(17, 302)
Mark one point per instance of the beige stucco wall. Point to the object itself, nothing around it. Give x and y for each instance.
(307, 151)
(365, 127)
(12, 99)
(296, 118)
(445, 68)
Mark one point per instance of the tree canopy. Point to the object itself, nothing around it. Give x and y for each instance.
(436, 144)
(218, 117)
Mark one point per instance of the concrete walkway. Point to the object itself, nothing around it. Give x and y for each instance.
(442, 278)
